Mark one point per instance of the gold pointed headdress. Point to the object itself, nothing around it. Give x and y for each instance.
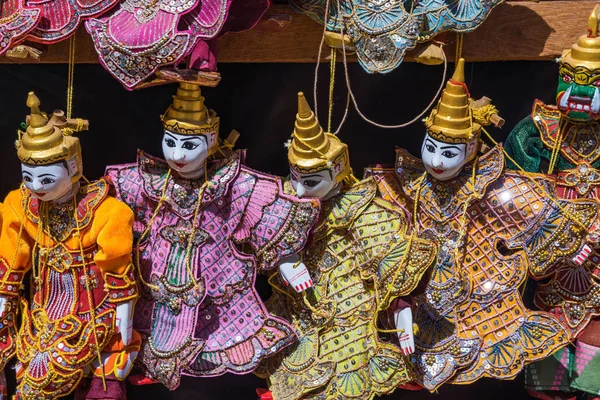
(312, 150)
(48, 141)
(188, 115)
(452, 120)
(586, 52)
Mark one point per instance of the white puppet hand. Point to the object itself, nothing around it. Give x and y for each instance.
(125, 321)
(294, 273)
(580, 258)
(404, 321)
(3, 302)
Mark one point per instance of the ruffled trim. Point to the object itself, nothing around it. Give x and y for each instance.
(15, 27)
(343, 209)
(89, 199)
(61, 18)
(538, 337)
(55, 353)
(547, 120)
(153, 172)
(244, 357)
(446, 198)
(302, 375)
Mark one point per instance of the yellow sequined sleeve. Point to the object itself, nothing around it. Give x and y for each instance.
(15, 245)
(113, 230)
(400, 260)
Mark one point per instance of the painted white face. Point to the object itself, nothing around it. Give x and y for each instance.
(316, 184)
(47, 182)
(443, 160)
(185, 154)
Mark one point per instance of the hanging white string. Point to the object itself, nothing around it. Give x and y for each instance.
(325, 20)
(347, 78)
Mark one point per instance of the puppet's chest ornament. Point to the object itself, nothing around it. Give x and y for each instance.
(493, 228)
(584, 179)
(202, 237)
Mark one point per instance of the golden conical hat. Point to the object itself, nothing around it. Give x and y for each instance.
(586, 52)
(188, 115)
(452, 121)
(312, 150)
(44, 143)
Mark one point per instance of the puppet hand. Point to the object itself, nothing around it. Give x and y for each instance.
(125, 321)
(582, 255)
(403, 320)
(3, 301)
(294, 273)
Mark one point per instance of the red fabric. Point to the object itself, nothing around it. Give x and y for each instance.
(413, 386)
(140, 380)
(203, 56)
(264, 394)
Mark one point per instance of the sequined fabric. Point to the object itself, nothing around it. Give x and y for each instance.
(16, 21)
(61, 18)
(572, 293)
(359, 260)
(471, 318)
(141, 36)
(214, 321)
(76, 287)
(383, 31)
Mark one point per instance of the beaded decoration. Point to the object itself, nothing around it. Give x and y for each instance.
(360, 259)
(225, 327)
(71, 315)
(61, 18)
(17, 20)
(142, 36)
(472, 320)
(563, 140)
(382, 32)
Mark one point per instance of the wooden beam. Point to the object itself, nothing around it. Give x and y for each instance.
(522, 30)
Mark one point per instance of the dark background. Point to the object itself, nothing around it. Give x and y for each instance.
(259, 100)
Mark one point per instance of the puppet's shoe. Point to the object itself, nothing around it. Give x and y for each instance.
(141, 379)
(551, 395)
(264, 394)
(414, 386)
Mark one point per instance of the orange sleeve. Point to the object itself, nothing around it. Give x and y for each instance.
(113, 229)
(15, 245)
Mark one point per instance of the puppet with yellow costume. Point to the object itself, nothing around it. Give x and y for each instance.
(360, 259)
(493, 228)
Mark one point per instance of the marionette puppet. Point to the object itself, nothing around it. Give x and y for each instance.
(382, 32)
(138, 39)
(202, 234)
(76, 242)
(360, 259)
(492, 228)
(564, 142)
